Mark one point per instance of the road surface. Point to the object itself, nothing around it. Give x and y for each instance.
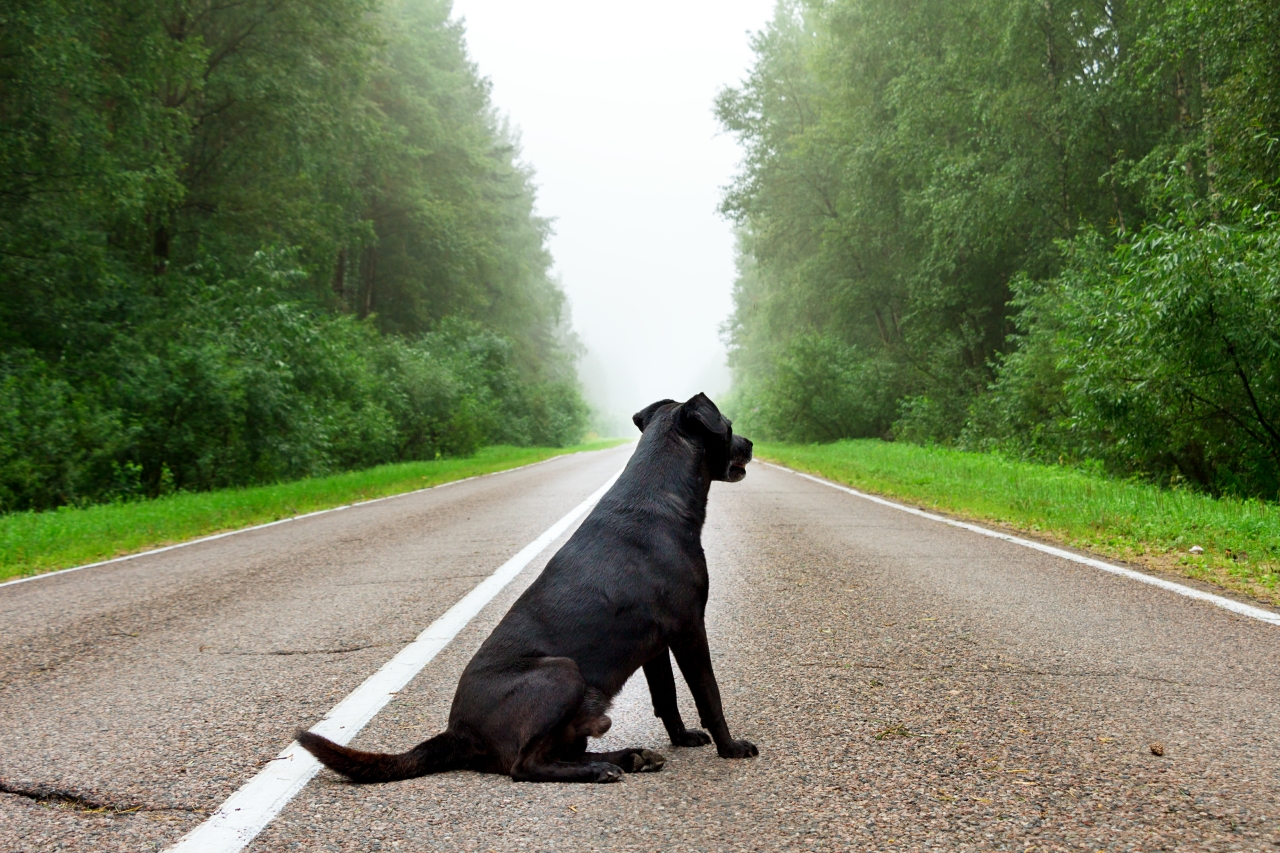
(910, 686)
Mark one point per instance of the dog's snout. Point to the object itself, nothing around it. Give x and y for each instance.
(739, 456)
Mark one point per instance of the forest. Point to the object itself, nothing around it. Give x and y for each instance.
(1043, 228)
(244, 242)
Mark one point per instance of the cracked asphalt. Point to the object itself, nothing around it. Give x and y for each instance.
(911, 686)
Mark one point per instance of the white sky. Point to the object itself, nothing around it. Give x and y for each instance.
(614, 104)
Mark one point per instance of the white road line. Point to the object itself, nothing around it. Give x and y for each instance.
(44, 575)
(248, 811)
(1237, 607)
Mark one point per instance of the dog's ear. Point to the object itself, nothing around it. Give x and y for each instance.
(699, 411)
(641, 418)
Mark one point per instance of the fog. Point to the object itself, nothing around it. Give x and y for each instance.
(614, 105)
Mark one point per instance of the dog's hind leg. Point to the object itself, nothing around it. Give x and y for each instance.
(543, 769)
(634, 760)
(662, 687)
(552, 710)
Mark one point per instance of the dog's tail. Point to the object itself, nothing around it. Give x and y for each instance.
(445, 751)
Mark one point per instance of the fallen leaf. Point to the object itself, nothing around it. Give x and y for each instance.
(895, 730)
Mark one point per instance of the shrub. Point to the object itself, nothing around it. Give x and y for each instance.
(224, 382)
(821, 390)
(1162, 357)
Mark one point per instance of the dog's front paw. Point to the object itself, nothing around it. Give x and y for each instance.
(691, 737)
(738, 749)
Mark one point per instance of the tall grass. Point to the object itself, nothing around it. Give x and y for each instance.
(1121, 519)
(33, 542)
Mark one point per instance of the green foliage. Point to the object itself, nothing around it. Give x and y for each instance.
(1166, 353)
(932, 188)
(821, 390)
(905, 162)
(1128, 520)
(231, 385)
(150, 337)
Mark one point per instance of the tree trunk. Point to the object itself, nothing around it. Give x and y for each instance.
(1206, 128)
(370, 270)
(160, 251)
(1184, 115)
(340, 274)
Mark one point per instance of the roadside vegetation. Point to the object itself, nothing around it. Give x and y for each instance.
(1045, 229)
(34, 542)
(1127, 520)
(252, 242)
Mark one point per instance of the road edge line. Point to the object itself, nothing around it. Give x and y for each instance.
(227, 533)
(255, 804)
(1237, 607)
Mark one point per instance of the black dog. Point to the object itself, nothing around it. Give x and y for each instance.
(629, 584)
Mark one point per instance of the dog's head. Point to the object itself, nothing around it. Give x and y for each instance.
(699, 420)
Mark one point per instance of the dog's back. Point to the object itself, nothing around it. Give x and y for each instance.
(628, 577)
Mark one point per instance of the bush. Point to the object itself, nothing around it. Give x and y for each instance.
(56, 445)
(821, 390)
(223, 382)
(1162, 357)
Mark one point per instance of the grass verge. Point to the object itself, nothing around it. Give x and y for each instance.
(1130, 521)
(31, 542)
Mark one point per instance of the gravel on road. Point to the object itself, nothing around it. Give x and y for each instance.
(911, 686)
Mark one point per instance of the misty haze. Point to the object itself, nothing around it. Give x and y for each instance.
(615, 105)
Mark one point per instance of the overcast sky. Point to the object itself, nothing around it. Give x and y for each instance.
(614, 105)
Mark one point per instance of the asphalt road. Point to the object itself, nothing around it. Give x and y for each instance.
(910, 686)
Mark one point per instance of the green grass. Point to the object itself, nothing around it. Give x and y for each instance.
(31, 542)
(1120, 519)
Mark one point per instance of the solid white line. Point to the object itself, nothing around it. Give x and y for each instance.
(248, 811)
(210, 538)
(1240, 608)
